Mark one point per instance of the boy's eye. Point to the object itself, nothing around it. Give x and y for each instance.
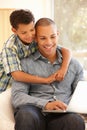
(42, 38)
(23, 33)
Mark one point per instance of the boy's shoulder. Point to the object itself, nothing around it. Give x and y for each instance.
(11, 40)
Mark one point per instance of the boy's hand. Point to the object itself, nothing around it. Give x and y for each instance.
(51, 78)
(55, 105)
(60, 74)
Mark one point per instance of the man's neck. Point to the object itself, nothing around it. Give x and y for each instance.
(52, 58)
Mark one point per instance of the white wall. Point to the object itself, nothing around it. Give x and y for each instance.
(40, 8)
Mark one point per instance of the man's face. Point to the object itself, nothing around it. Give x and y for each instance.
(25, 32)
(47, 37)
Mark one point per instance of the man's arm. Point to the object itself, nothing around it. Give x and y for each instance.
(20, 96)
(79, 76)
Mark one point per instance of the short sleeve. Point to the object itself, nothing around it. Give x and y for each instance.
(10, 60)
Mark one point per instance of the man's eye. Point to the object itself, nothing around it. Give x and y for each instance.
(32, 30)
(53, 37)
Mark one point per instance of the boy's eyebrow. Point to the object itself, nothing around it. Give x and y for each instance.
(23, 31)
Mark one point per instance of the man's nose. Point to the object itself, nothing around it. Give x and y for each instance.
(49, 41)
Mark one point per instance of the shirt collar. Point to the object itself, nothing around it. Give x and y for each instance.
(38, 55)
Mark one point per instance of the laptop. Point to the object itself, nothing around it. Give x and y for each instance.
(78, 102)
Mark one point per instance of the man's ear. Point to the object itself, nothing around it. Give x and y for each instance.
(14, 30)
(58, 33)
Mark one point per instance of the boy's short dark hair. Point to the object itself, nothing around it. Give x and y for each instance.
(21, 17)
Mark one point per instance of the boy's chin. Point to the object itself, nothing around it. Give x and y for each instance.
(25, 43)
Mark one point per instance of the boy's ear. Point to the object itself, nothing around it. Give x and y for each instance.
(13, 30)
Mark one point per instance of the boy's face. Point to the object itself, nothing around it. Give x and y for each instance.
(47, 38)
(25, 32)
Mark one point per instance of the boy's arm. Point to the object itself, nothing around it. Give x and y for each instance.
(66, 53)
(25, 77)
(11, 63)
(28, 78)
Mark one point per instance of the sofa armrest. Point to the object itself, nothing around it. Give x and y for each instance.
(6, 111)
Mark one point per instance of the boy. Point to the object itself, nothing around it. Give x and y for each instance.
(21, 44)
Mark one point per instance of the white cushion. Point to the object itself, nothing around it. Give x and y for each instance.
(6, 111)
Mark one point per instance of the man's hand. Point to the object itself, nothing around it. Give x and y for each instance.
(55, 105)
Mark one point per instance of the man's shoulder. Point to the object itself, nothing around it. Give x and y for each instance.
(75, 62)
(28, 59)
(28, 62)
(31, 60)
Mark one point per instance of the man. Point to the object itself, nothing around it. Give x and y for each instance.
(30, 99)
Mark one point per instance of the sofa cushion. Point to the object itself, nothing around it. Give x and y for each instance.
(6, 111)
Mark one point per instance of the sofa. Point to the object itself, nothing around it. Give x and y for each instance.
(7, 121)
